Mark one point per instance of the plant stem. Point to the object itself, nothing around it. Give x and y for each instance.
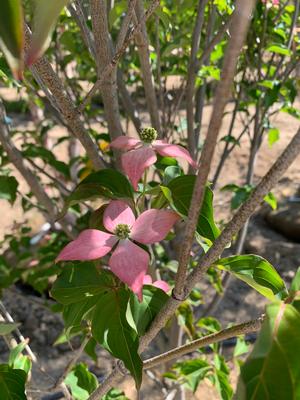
(236, 330)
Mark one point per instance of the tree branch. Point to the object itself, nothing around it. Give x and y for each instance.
(240, 23)
(17, 160)
(103, 57)
(233, 331)
(142, 43)
(115, 59)
(45, 73)
(191, 75)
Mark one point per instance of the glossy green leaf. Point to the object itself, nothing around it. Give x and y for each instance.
(11, 34)
(112, 331)
(106, 183)
(257, 273)
(295, 285)
(12, 383)
(75, 313)
(193, 372)
(46, 14)
(17, 360)
(8, 188)
(78, 282)
(272, 371)
(7, 327)
(279, 49)
(139, 315)
(81, 382)
(181, 190)
(115, 394)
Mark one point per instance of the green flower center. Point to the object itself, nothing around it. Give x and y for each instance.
(148, 135)
(122, 231)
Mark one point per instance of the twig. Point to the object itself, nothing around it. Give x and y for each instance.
(191, 75)
(142, 42)
(115, 59)
(80, 19)
(247, 209)
(103, 56)
(72, 362)
(240, 23)
(47, 77)
(17, 160)
(236, 330)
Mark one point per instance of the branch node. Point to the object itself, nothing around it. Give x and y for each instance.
(179, 297)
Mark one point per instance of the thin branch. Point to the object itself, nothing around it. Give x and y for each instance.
(103, 56)
(109, 382)
(191, 75)
(240, 23)
(247, 209)
(49, 79)
(233, 331)
(17, 160)
(21, 338)
(77, 13)
(115, 59)
(215, 40)
(142, 42)
(125, 25)
(72, 362)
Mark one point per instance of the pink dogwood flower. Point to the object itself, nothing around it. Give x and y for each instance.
(159, 284)
(129, 262)
(141, 154)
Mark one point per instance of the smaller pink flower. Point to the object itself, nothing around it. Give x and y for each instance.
(159, 284)
(141, 154)
(129, 262)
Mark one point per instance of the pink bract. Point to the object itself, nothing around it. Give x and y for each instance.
(129, 262)
(140, 155)
(159, 284)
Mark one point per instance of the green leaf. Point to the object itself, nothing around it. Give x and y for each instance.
(81, 382)
(112, 331)
(139, 315)
(272, 371)
(7, 327)
(17, 360)
(11, 34)
(193, 372)
(181, 189)
(271, 200)
(241, 347)
(46, 14)
(273, 136)
(170, 173)
(241, 194)
(295, 285)
(75, 313)
(78, 282)
(257, 273)
(8, 188)
(115, 394)
(279, 49)
(12, 383)
(106, 183)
